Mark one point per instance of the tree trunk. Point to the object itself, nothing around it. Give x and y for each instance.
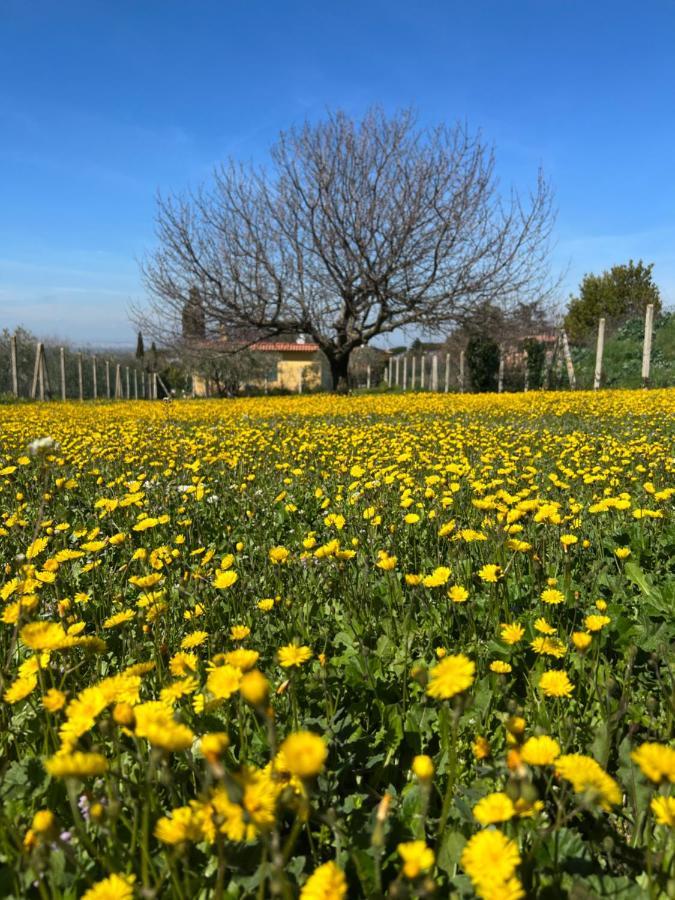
(339, 370)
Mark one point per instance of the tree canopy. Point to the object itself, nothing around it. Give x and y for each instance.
(623, 292)
(355, 229)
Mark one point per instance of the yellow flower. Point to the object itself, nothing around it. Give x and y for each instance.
(20, 689)
(567, 540)
(663, 809)
(622, 552)
(54, 700)
(589, 778)
(116, 887)
(540, 751)
(224, 580)
(304, 754)
(36, 548)
(549, 646)
(581, 640)
(242, 659)
(555, 684)
(292, 655)
(411, 519)
(183, 824)
(43, 821)
(542, 626)
(119, 618)
(490, 573)
(278, 555)
(458, 594)
(494, 808)
(480, 747)
(214, 744)
(155, 723)
(437, 578)
(223, 681)
(266, 605)
(76, 765)
(239, 632)
(43, 635)
(489, 859)
(451, 676)
(656, 761)
(552, 596)
(385, 562)
(328, 882)
(595, 623)
(423, 767)
(511, 634)
(254, 687)
(500, 667)
(417, 858)
(190, 641)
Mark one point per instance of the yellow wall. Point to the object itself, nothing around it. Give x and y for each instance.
(292, 367)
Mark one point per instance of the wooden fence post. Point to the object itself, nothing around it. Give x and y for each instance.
(647, 346)
(62, 361)
(447, 373)
(135, 384)
(126, 381)
(568, 361)
(461, 372)
(12, 365)
(398, 370)
(36, 371)
(500, 379)
(93, 377)
(143, 391)
(434, 372)
(118, 382)
(154, 385)
(412, 377)
(368, 377)
(80, 376)
(107, 378)
(526, 385)
(597, 375)
(422, 368)
(44, 375)
(405, 373)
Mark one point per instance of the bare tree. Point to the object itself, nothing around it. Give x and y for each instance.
(355, 230)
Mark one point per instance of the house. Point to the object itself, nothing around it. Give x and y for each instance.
(265, 365)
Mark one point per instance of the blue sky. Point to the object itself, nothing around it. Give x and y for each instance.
(102, 104)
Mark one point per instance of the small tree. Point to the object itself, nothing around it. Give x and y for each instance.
(619, 294)
(356, 229)
(482, 358)
(140, 348)
(536, 362)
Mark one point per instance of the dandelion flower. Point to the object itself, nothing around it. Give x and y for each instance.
(417, 858)
(293, 656)
(540, 751)
(555, 684)
(328, 882)
(493, 808)
(451, 676)
(656, 761)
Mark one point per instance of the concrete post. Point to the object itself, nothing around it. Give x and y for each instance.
(434, 372)
(500, 381)
(412, 376)
(13, 366)
(568, 362)
(461, 372)
(405, 373)
(597, 375)
(447, 373)
(94, 377)
(647, 346)
(62, 366)
(422, 367)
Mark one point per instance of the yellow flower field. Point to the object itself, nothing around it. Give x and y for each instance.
(327, 647)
